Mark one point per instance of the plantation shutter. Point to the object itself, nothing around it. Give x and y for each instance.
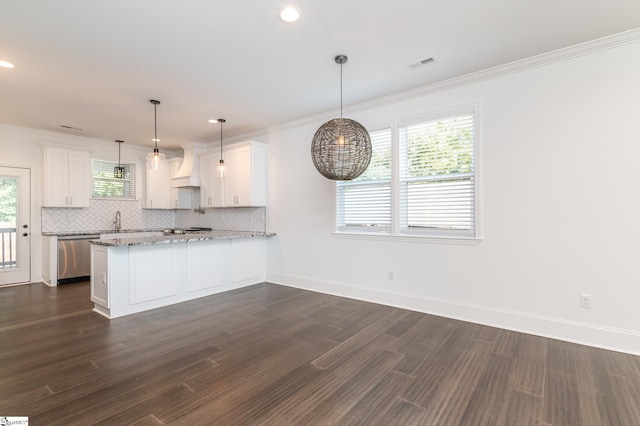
(364, 204)
(437, 177)
(106, 186)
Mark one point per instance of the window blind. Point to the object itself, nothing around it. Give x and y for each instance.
(106, 186)
(364, 204)
(437, 177)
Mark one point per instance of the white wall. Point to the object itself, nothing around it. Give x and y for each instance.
(560, 204)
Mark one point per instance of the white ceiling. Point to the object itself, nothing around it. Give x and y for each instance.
(95, 64)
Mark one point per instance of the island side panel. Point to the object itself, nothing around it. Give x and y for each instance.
(207, 265)
(152, 272)
(99, 276)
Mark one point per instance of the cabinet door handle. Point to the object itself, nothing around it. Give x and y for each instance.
(71, 202)
(66, 200)
(176, 203)
(24, 234)
(151, 203)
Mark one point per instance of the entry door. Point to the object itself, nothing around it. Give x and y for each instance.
(15, 227)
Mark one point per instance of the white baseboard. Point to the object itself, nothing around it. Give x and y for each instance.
(576, 332)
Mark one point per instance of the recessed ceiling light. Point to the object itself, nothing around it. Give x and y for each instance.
(290, 14)
(5, 64)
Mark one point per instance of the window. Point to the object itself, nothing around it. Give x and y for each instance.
(365, 203)
(430, 189)
(106, 186)
(437, 179)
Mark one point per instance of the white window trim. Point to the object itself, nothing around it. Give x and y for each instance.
(395, 235)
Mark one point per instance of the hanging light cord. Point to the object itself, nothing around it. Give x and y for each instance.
(340, 89)
(155, 123)
(119, 145)
(221, 121)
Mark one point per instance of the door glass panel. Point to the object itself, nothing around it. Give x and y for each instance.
(8, 220)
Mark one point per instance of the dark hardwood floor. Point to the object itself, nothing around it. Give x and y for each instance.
(273, 355)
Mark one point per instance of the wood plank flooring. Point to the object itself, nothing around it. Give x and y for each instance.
(273, 355)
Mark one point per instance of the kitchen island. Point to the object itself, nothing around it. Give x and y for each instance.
(130, 275)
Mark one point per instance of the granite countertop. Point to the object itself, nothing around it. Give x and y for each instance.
(98, 232)
(180, 238)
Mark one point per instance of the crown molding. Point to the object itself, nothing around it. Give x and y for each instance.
(559, 55)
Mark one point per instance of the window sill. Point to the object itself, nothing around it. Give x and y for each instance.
(408, 238)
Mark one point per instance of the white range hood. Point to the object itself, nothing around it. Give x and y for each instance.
(189, 174)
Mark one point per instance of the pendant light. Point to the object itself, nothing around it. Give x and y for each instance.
(119, 170)
(155, 159)
(341, 148)
(221, 164)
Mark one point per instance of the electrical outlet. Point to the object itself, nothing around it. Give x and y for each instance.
(391, 276)
(585, 301)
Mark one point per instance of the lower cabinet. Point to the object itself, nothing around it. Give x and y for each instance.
(154, 272)
(130, 279)
(207, 264)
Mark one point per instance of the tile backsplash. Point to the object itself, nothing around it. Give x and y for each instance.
(227, 219)
(101, 213)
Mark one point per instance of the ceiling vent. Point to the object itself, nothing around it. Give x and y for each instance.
(421, 62)
(64, 126)
(188, 176)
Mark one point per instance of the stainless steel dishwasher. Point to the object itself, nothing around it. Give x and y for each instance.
(74, 258)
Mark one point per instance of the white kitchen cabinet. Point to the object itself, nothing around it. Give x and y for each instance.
(160, 194)
(157, 189)
(211, 185)
(246, 181)
(130, 279)
(245, 176)
(179, 198)
(67, 178)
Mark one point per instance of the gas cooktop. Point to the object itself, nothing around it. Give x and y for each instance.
(192, 230)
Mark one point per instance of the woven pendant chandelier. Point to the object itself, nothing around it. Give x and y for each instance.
(341, 148)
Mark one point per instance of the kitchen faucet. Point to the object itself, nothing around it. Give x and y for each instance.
(118, 222)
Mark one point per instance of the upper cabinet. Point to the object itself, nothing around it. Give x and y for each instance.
(246, 183)
(157, 188)
(67, 178)
(159, 193)
(245, 177)
(211, 185)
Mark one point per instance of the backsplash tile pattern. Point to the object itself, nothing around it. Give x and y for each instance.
(100, 215)
(223, 219)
